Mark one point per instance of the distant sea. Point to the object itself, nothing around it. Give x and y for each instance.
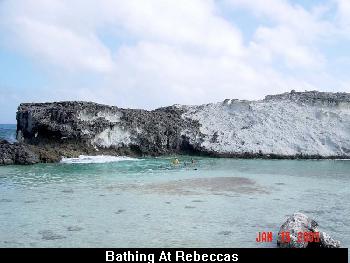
(8, 132)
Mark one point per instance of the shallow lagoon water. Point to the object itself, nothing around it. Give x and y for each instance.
(149, 203)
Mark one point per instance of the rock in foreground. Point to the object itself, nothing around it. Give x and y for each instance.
(300, 223)
(16, 154)
(23, 153)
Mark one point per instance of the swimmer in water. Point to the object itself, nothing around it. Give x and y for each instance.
(176, 161)
(193, 162)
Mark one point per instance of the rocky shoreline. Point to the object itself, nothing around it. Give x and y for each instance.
(16, 154)
(295, 125)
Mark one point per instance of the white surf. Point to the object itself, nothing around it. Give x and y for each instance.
(97, 159)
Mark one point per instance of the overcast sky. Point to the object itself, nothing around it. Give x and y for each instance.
(140, 53)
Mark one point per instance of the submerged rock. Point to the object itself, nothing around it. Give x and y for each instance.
(50, 235)
(74, 228)
(300, 223)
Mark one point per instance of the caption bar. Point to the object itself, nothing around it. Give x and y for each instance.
(190, 255)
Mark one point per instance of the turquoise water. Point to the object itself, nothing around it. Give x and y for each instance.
(8, 132)
(150, 203)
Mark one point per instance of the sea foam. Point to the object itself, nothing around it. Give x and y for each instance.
(97, 159)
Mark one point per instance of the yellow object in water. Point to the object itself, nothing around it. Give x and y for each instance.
(176, 161)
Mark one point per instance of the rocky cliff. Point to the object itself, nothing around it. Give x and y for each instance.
(290, 125)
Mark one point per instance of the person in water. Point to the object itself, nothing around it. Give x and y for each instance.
(176, 161)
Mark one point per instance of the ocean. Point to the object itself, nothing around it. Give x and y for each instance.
(109, 201)
(8, 132)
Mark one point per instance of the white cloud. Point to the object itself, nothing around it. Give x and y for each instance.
(293, 35)
(281, 41)
(184, 23)
(344, 12)
(181, 51)
(62, 47)
(48, 40)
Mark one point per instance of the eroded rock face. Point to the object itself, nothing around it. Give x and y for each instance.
(300, 223)
(289, 125)
(89, 127)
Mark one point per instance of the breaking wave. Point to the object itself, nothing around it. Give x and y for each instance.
(8, 132)
(97, 159)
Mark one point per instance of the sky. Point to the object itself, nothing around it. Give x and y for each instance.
(153, 53)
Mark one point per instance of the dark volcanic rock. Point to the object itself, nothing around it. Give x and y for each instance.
(74, 128)
(300, 223)
(16, 154)
(313, 97)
